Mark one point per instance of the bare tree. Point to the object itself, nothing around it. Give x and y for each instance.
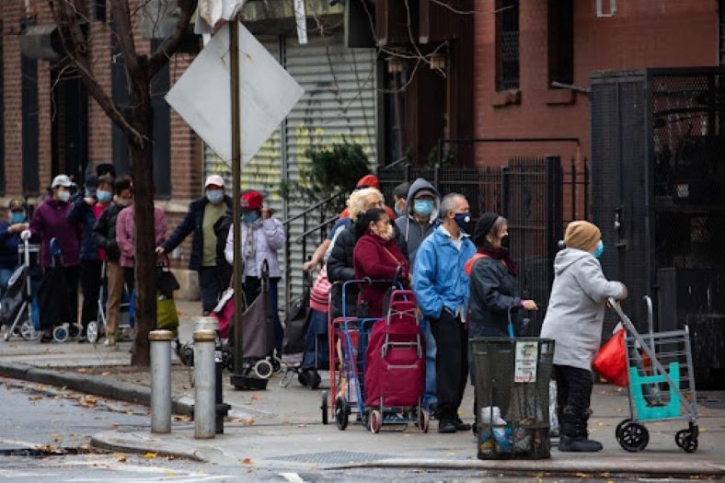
(72, 17)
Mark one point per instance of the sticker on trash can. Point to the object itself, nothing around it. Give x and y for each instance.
(527, 353)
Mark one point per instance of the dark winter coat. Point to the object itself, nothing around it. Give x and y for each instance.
(8, 246)
(104, 232)
(493, 292)
(192, 222)
(340, 269)
(50, 221)
(81, 214)
(378, 259)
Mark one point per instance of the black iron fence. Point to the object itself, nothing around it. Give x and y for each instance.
(538, 196)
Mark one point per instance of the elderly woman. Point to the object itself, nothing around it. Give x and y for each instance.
(377, 256)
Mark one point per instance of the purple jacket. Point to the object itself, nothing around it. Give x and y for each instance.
(49, 221)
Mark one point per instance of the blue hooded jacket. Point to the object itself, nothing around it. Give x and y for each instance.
(439, 275)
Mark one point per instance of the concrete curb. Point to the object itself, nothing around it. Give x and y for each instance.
(96, 385)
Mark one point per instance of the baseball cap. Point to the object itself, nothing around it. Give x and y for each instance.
(251, 200)
(16, 204)
(215, 180)
(61, 180)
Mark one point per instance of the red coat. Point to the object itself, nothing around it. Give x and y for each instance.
(378, 259)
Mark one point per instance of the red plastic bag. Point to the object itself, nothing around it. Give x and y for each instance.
(611, 361)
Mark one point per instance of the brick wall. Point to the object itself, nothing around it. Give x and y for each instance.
(643, 33)
(186, 155)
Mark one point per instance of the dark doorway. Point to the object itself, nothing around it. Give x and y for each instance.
(69, 124)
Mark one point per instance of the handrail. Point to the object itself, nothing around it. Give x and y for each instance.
(393, 164)
(323, 224)
(327, 200)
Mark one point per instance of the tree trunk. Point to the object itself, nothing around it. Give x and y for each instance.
(143, 192)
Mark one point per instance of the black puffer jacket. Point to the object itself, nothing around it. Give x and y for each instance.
(493, 291)
(340, 269)
(104, 232)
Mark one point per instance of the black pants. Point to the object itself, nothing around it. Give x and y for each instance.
(451, 363)
(211, 287)
(72, 275)
(129, 278)
(573, 388)
(91, 287)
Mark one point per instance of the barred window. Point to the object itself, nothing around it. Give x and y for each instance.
(507, 44)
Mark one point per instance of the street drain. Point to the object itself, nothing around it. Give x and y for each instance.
(43, 452)
(334, 457)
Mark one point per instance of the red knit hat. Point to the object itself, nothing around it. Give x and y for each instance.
(368, 181)
(251, 200)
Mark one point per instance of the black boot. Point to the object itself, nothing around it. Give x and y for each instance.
(574, 436)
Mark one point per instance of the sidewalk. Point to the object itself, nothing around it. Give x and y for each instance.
(283, 426)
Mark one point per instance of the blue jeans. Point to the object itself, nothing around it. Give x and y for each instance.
(5, 274)
(430, 396)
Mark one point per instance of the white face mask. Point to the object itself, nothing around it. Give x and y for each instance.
(63, 195)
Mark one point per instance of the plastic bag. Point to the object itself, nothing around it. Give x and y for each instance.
(611, 361)
(166, 316)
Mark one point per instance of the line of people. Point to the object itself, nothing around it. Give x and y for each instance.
(465, 282)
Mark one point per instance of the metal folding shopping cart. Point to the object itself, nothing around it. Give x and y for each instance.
(661, 383)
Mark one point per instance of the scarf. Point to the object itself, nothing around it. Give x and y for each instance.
(500, 254)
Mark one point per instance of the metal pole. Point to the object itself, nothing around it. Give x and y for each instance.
(161, 380)
(204, 404)
(236, 123)
(221, 409)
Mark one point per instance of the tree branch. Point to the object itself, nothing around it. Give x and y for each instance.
(121, 15)
(171, 43)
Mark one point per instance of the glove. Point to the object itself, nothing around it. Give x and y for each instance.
(25, 235)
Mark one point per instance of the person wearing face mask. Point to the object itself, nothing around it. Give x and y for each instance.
(85, 212)
(574, 320)
(377, 257)
(104, 236)
(419, 219)
(10, 240)
(441, 288)
(262, 236)
(203, 213)
(400, 196)
(49, 221)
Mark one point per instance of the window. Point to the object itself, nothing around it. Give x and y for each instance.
(507, 44)
(29, 71)
(561, 41)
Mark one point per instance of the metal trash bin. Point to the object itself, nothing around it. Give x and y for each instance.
(511, 379)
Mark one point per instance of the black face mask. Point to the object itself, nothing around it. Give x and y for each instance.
(505, 242)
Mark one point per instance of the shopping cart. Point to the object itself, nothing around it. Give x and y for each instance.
(661, 383)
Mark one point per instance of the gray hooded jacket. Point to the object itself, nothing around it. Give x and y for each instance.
(575, 314)
(413, 232)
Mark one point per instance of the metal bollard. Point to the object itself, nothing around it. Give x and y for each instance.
(204, 377)
(222, 409)
(161, 380)
(206, 323)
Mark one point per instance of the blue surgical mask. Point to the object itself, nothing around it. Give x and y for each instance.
(17, 217)
(423, 207)
(600, 249)
(104, 196)
(215, 196)
(90, 193)
(398, 212)
(463, 219)
(249, 217)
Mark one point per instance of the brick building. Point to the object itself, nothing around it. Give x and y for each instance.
(529, 44)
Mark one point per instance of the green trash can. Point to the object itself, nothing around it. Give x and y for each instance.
(511, 379)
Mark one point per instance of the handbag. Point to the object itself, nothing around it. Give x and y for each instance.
(611, 361)
(319, 295)
(166, 316)
(166, 282)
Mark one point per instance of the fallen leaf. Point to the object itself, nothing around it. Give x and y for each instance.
(256, 397)
(121, 458)
(247, 461)
(105, 373)
(150, 455)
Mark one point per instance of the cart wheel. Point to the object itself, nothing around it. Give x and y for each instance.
(686, 441)
(75, 330)
(276, 364)
(375, 421)
(60, 333)
(618, 431)
(28, 332)
(341, 413)
(423, 420)
(92, 332)
(263, 369)
(633, 437)
(323, 407)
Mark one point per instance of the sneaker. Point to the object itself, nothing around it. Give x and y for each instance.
(110, 342)
(446, 426)
(46, 337)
